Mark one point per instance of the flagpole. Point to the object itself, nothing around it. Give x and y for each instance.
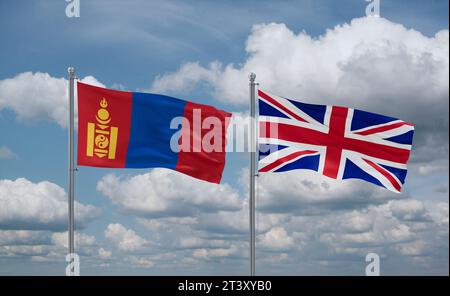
(71, 71)
(252, 149)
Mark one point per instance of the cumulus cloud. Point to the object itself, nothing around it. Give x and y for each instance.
(43, 246)
(24, 250)
(407, 230)
(397, 223)
(104, 254)
(60, 239)
(163, 192)
(38, 96)
(277, 239)
(308, 193)
(85, 245)
(370, 63)
(322, 220)
(25, 205)
(187, 77)
(140, 262)
(409, 210)
(237, 223)
(124, 239)
(350, 61)
(23, 237)
(214, 253)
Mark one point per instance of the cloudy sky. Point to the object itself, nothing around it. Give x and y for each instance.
(159, 222)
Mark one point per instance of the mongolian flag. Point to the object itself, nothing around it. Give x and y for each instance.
(118, 129)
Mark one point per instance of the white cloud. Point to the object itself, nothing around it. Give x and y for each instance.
(38, 96)
(237, 223)
(277, 239)
(187, 77)
(104, 254)
(6, 153)
(383, 226)
(24, 250)
(85, 245)
(140, 262)
(23, 237)
(124, 239)
(61, 240)
(305, 216)
(439, 212)
(355, 221)
(306, 192)
(409, 210)
(415, 248)
(370, 50)
(38, 206)
(163, 192)
(214, 253)
(43, 246)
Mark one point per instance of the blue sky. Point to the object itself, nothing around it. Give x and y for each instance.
(144, 45)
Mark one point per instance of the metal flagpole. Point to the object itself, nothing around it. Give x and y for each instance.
(252, 149)
(71, 71)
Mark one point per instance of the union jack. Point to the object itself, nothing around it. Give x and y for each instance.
(338, 142)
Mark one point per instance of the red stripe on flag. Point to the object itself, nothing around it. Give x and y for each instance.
(384, 173)
(383, 128)
(197, 162)
(275, 103)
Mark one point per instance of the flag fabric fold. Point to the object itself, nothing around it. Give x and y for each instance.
(338, 142)
(118, 129)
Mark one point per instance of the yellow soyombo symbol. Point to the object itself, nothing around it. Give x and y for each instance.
(102, 138)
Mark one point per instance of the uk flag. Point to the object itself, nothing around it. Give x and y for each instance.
(338, 142)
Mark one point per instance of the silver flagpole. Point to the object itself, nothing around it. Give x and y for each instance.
(252, 148)
(71, 72)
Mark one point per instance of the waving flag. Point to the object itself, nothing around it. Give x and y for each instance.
(338, 142)
(118, 129)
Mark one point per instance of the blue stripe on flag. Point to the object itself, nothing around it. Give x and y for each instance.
(406, 138)
(399, 173)
(267, 110)
(352, 171)
(315, 111)
(362, 119)
(306, 162)
(150, 132)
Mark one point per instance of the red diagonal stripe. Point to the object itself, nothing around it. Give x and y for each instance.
(287, 158)
(382, 128)
(384, 173)
(276, 103)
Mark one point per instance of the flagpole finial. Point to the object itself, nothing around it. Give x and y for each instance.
(71, 71)
(252, 77)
